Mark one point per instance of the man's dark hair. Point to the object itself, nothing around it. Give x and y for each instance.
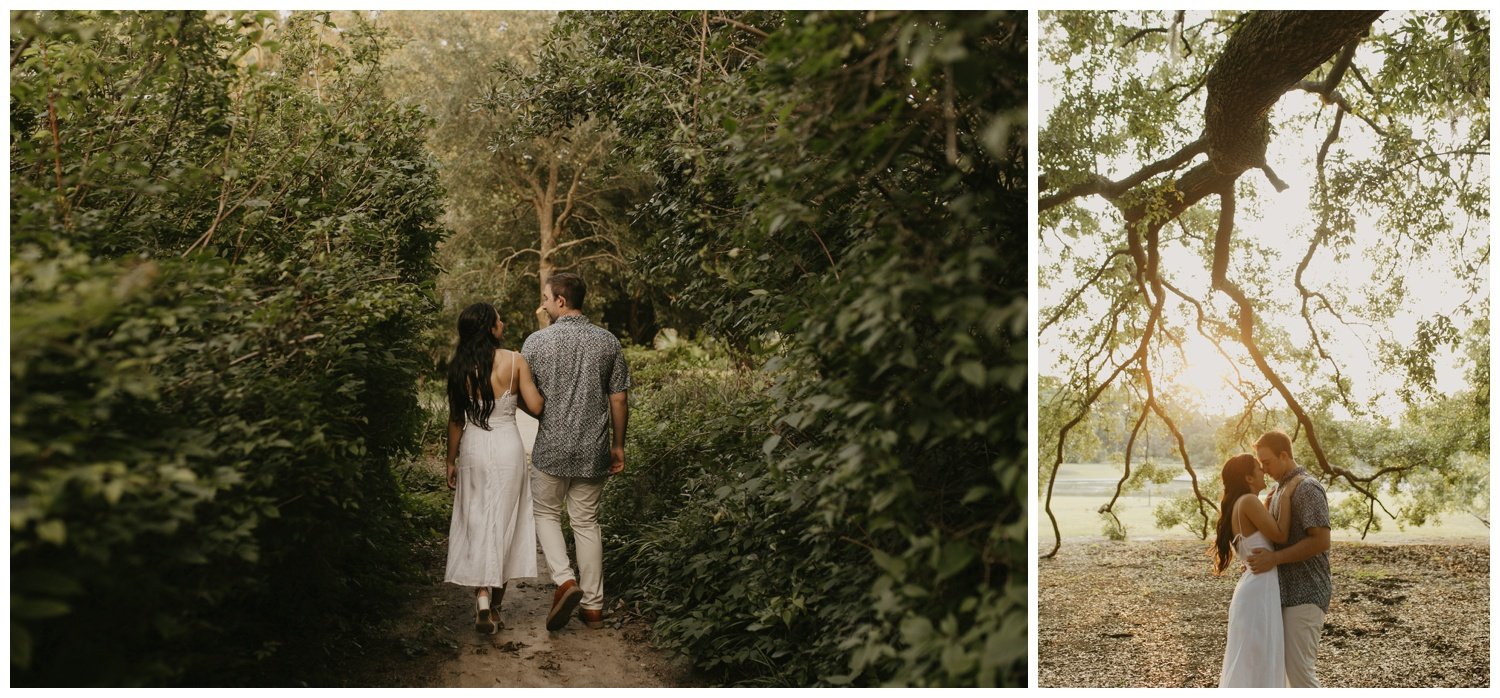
(570, 286)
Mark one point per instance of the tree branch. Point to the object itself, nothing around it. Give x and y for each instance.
(1129, 450)
(1083, 411)
(1247, 337)
(578, 170)
(15, 56)
(1058, 312)
(1142, 33)
(579, 241)
(721, 19)
(1113, 190)
(1333, 97)
(505, 263)
(1202, 317)
(1336, 73)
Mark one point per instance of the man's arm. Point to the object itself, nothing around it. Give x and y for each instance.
(1317, 541)
(619, 416)
(1313, 507)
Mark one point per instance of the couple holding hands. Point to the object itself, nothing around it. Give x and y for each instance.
(572, 377)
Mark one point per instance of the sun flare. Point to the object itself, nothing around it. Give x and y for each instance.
(1199, 368)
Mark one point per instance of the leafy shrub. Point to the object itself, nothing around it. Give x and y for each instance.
(694, 414)
(213, 364)
(695, 536)
(843, 196)
(749, 571)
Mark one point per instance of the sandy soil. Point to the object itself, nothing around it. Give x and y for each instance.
(431, 641)
(524, 653)
(1150, 614)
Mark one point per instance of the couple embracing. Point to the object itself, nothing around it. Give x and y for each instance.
(1276, 615)
(573, 378)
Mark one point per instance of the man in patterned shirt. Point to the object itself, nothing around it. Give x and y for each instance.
(581, 371)
(1301, 563)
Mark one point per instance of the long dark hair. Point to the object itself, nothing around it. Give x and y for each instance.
(1236, 469)
(470, 395)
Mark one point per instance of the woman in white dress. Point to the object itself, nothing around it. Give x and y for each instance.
(492, 539)
(1254, 652)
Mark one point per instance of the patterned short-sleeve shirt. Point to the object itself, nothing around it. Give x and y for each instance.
(577, 366)
(1308, 581)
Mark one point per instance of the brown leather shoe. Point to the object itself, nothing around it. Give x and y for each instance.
(591, 617)
(564, 600)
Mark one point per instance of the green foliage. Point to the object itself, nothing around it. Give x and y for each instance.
(217, 278)
(696, 537)
(1353, 513)
(1150, 471)
(427, 503)
(1441, 447)
(1183, 511)
(844, 191)
(1114, 529)
(693, 415)
(511, 180)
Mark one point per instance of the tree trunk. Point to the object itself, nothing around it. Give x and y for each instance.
(544, 210)
(1260, 63)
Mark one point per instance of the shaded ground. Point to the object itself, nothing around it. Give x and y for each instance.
(431, 641)
(1148, 613)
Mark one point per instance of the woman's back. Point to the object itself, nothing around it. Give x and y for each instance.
(503, 382)
(1244, 545)
(493, 538)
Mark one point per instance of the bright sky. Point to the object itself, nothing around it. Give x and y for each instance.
(1284, 222)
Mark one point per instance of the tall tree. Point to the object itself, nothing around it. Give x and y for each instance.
(1401, 105)
(525, 198)
(563, 176)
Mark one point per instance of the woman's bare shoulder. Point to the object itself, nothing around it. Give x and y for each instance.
(1250, 496)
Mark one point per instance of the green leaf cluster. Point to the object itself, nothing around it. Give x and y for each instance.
(844, 193)
(222, 241)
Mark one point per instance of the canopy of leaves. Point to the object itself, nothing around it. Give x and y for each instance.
(1335, 300)
(516, 189)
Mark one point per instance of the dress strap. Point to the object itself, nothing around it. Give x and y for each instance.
(513, 372)
(1237, 517)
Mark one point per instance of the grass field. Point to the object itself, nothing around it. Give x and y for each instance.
(1084, 487)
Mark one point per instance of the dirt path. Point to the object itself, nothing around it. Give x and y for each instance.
(523, 653)
(430, 640)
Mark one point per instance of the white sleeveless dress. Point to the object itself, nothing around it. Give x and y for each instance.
(492, 539)
(1254, 655)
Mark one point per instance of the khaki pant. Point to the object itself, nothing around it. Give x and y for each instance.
(1301, 626)
(548, 494)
